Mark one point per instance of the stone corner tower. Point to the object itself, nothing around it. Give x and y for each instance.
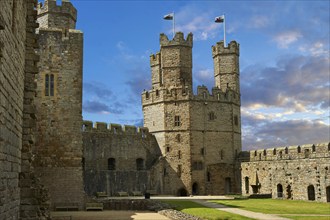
(59, 103)
(199, 135)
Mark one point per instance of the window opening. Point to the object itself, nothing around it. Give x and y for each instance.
(177, 121)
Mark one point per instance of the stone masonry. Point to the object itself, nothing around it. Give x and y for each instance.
(21, 195)
(59, 104)
(295, 172)
(118, 159)
(199, 135)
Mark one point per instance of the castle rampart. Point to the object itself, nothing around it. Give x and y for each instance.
(293, 172)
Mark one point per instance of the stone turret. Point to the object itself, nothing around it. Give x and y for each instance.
(172, 67)
(226, 66)
(51, 15)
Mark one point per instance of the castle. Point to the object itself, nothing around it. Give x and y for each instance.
(190, 143)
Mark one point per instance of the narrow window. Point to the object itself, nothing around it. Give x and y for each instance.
(221, 154)
(265, 152)
(211, 116)
(167, 149)
(202, 151)
(157, 92)
(177, 121)
(299, 149)
(147, 95)
(274, 151)
(51, 89)
(236, 120)
(179, 170)
(208, 177)
(111, 164)
(14, 16)
(204, 95)
(286, 150)
(218, 96)
(179, 154)
(255, 153)
(47, 85)
(164, 172)
(313, 148)
(139, 164)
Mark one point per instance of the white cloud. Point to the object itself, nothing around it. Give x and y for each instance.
(259, 21)
(284, 39)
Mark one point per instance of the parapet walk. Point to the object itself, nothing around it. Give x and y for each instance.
(321, 150)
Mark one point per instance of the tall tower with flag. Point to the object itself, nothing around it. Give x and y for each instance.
(199, 134)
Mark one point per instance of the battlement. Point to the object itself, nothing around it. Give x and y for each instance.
(219, 48)
(155, 59)
(177, 40)
(61, 16)
(288, 153)
(116, 129)
(177, 94)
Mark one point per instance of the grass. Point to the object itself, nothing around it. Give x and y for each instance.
(306, 217)
(201, 211)
(274, 206)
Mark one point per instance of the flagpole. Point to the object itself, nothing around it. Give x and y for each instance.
(173, 24)
(224, 30)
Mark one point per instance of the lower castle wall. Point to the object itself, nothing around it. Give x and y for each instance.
(118, 159)
(294, 175)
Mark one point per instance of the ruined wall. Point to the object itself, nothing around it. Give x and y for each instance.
(59, 105)
(118, 158)
(287, 172)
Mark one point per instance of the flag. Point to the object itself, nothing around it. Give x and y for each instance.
(169, 16)
(219, 19)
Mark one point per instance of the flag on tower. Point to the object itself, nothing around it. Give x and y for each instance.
(219, 19)
(169, 16)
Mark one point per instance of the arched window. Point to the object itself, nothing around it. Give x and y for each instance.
(247, 185)
(139, 164)
(111, 164)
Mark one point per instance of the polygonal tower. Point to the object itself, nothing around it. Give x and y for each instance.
(59, 103)
(199, 135)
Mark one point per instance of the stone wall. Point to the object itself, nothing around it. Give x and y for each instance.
(118, 158)
(59, 105)
(287, 172)
(20, 192)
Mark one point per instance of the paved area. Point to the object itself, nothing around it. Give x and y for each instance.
(250, 214)
(106, 215)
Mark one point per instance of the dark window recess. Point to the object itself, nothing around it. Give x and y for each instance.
(139, 164)
(177, 121)
(111, 164)
(198, 165)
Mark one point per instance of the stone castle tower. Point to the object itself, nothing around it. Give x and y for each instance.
(59, 103)
(199, 135)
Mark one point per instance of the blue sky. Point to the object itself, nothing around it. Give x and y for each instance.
(284, 61)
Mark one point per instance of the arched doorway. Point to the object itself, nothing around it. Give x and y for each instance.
(195, 189)
(279, 191)
(182, 192)
(328, 193)
(247, 185)
(311, 192)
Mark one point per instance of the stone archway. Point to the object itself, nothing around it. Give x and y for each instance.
(279, 191)
(311, 192)
(328, 193)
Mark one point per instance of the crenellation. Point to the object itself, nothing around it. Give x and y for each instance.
(155, 59)
(306, 151)
(219, 48)
(177, 40)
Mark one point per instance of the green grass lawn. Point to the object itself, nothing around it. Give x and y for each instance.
(201, 211)
(275, 206)
(306, 217)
